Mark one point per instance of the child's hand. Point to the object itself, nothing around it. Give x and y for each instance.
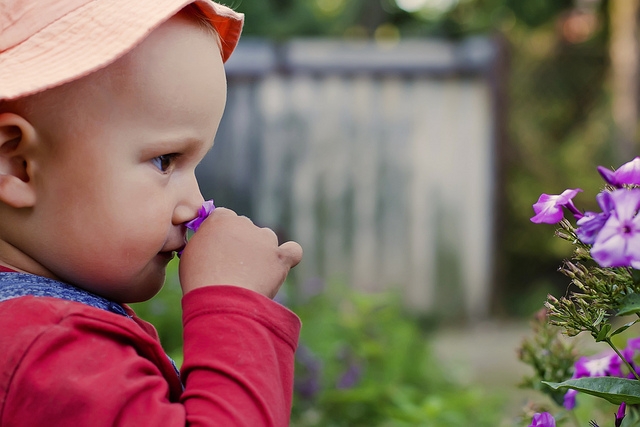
(230, 250)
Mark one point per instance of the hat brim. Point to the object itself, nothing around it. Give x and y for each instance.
(95, 35)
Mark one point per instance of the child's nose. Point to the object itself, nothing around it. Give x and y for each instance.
(187, 208)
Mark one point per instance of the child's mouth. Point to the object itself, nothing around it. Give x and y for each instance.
(167, 255)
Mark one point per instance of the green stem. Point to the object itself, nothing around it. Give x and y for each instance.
(635, 374)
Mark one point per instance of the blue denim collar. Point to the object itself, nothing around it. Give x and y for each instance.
(15, 285)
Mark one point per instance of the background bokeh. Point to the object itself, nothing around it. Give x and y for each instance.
(565, 101)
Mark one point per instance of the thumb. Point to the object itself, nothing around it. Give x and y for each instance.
(290, 253)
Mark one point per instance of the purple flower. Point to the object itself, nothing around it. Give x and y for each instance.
(204, 211)
(618, 242)
(548, 208)
(633, 346)
(620, 415)
(591, 223)
(629, 173)
(630, 352)
(603, 365)
(350, 377)
(569, 401)
(353, 373)
(308, 373)
(543, 419)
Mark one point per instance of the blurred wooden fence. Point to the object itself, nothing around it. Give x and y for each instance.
(379, 159)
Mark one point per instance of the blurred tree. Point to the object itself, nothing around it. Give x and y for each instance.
(452, 18)
(281, 19)
(624, 73)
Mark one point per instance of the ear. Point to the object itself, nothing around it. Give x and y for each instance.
(17, 136)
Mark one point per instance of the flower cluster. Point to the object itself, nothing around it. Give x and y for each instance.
(605, 272)
(614, 233)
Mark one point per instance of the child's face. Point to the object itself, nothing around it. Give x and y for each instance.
(118, 180)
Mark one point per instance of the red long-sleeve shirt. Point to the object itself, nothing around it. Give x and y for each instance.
(64, 363)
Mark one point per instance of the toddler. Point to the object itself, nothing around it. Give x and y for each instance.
(106, 109)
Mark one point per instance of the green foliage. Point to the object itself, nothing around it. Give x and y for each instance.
(630, 305)
(550, 355)
(279, 19)
(537, 12)
(164, 311)
(372, 362)
(374, 367)
(600, 293)
(613, 389)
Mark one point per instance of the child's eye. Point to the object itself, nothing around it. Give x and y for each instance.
(164, 162)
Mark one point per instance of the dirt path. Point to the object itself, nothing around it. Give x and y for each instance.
(484, 353)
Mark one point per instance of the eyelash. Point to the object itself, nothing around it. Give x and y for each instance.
(165, 162)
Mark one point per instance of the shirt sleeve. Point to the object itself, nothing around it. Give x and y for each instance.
(104, 371)
(250, 381)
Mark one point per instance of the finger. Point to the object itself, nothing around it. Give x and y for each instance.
(290, 253)
(223, 212)
(271, 235)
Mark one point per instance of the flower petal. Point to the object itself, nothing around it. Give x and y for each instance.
(204, 211)
(626, 203)
(605, 201)
(570, 399)
(629, 173)
(548, 208)
(543, 419)
(633, 241)
(618, 242)
(609, 248)
(590, 225)
(608, 175)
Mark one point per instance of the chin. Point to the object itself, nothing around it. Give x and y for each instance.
(146, 291)
(140, 289)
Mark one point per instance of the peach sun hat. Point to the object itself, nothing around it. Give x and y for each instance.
(46, 43)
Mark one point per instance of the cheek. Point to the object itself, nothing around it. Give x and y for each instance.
(110, 218)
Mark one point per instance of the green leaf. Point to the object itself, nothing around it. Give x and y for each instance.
(624, 327)
(600, 318)
(635, 275)
(613, 389)
(602, 334)
(630, 304)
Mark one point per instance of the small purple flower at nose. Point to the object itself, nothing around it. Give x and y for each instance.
(205, 210)
(203, 213)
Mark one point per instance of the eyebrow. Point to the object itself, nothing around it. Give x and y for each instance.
(169, 144)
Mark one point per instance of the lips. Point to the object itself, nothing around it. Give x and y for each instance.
(167, 255)
(171, 248)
